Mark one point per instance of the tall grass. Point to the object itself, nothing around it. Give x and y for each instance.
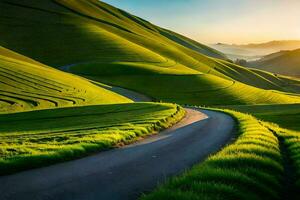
(291, 141)
(39, 138)
(249, 168)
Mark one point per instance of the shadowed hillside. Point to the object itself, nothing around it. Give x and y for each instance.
(109, 45)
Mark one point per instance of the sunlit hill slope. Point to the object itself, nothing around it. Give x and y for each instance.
(24, 86)
(96, 40)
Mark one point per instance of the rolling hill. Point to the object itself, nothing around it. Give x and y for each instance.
(29, 85)
(101, 44)
(52, 116)
(282, 62)
(109, 45)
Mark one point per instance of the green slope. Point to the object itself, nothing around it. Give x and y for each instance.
(198, 90)
(26, 85)
(115, 47)
(91, 30)
(42, 137)
(283, 62)
(106, 44)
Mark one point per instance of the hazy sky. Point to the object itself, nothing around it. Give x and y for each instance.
(230, 21)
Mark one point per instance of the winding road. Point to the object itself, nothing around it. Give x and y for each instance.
(126, 172)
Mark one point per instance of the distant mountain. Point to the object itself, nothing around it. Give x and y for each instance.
(279, 45)
(255, 51)
(282, 62)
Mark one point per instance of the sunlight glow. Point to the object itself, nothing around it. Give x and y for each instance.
(230, 21)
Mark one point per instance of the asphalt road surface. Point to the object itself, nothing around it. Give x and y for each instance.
(127, 172)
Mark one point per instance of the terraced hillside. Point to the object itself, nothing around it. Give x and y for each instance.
(283, 62)
(115, 47)
(26, 85)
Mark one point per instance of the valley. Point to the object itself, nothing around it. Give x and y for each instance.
(98, 103)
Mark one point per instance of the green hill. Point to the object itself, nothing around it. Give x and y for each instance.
(108, 45)
(283, 62)
(87, 31)
(94, 39)
(26, 85)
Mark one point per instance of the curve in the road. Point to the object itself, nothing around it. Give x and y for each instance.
(132, 95)
(126, 172)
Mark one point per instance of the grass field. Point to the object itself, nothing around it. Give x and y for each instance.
(49, 116)
(37, 138)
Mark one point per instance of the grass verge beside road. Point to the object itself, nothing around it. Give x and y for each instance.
(38, 138)
(249, 168)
